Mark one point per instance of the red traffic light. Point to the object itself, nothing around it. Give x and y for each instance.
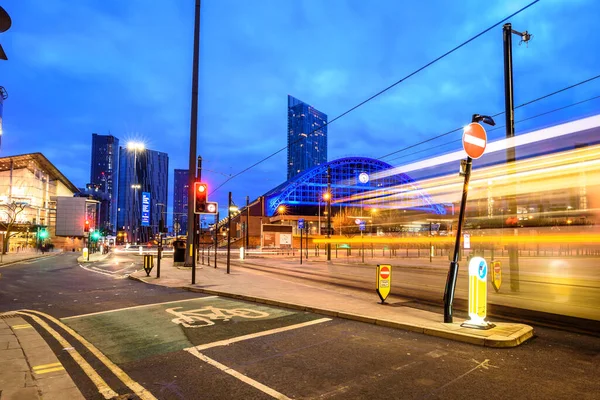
(200, 197)
(86, 227)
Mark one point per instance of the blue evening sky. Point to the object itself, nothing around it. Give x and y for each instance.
(124, 67)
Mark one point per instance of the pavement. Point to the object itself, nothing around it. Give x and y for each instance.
(330, 300)
(30, 370)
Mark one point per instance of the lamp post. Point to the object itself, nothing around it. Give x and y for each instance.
(453, 271)
(507, 32)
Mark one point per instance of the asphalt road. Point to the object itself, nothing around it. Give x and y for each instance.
(241, 350)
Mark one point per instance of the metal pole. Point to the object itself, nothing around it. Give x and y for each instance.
(216, 238)
(190, 259)
(301, 246)
(509, 112)
(247, 225)
(329, 213)
(453, 271)
(228, 232)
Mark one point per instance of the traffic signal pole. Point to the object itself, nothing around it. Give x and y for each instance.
(228, 232)
(189, 255)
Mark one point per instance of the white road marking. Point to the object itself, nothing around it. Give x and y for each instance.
(265, 389)
(474, 140)
(133, 307)
(227, 342)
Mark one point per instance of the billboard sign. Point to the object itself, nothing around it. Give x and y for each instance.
(145, 209)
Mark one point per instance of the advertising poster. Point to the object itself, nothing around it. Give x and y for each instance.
(145, 209)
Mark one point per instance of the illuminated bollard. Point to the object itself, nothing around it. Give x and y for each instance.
(478, 271)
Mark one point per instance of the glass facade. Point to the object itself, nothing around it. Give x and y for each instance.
(307, 137)
(141, 171)
(180, 201)
(103, 176)
(354, 183)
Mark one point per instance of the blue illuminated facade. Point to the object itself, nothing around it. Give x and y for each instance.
(307, 137)
(355, 182)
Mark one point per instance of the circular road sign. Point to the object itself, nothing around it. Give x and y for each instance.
(384, 272)
(211, 207)
(474, 140)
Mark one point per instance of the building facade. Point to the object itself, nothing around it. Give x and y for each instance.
(307, 137)
(181, 189)
(103, 177)
(142, 194)
(29, 186)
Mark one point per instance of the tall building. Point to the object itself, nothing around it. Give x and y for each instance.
(142, 197)
(307, 137)
(103, 176)
(180, 201)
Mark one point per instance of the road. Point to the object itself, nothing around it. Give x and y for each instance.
(179, 345)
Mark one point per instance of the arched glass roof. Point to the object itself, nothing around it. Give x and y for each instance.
(352, 186)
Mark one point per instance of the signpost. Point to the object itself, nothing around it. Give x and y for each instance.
(384, 281)
(478, 271)
(474, 142)
(496, 275)
(301, 227)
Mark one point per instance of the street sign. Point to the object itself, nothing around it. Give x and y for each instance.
(211, 207)
(496, 275)
(357, 221)
(362, 226)
(301, 223)
(467, 241)
(474, 140)
(478, 271)
(145, 209)
(384, 281)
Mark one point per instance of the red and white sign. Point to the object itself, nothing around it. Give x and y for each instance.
(474, 140)
(384, 272)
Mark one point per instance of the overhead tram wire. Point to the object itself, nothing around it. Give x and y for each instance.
(495, 115)
(493, 129)
(381, 92)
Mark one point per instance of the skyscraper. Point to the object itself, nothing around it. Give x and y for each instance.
(103, 175)
(180, 201)
(143, 189)
(307, 137)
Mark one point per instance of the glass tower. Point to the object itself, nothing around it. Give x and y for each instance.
(141, 172)
(103, 176)
(307, 137)
(180, 201)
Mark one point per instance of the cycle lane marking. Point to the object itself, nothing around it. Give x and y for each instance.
(227, 342)
(134, 307)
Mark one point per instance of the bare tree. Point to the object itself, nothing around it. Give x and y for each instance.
(11, 213)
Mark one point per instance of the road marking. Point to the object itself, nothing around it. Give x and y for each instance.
(138, 389)
(265, 389)
(227, 342)
(21, 326)
(100, 384)
(103, 273)
(133, 307)
(45, 368)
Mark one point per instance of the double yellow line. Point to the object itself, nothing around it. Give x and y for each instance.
(45, 368)
(102, 386)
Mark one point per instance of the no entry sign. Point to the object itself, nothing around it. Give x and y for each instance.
(474, 140)
(384, 281)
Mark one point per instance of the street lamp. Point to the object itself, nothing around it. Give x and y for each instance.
(507, 32)
(453, 271)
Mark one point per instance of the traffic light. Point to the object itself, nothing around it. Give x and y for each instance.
(43, 234)
(200, 197)
(96, 235)
(86, 226)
